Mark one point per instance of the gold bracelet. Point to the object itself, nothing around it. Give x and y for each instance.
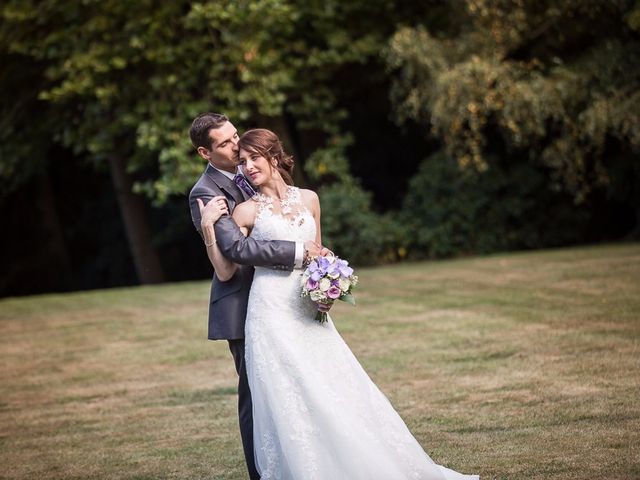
(211, 244)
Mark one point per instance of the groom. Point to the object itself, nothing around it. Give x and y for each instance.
(216, 141)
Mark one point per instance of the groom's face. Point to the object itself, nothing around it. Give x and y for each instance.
(223, 153)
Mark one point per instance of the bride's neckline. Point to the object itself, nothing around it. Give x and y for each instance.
(287, 193)
(290, 198)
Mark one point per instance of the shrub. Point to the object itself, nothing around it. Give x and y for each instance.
(452, 212)
(353, 230)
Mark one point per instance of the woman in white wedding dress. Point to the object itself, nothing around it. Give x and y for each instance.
(316, 412)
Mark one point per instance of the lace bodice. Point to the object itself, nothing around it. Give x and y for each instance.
(286, 220)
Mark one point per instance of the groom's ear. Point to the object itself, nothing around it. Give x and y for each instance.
(204, 153)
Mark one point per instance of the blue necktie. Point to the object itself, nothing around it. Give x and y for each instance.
(244, 185)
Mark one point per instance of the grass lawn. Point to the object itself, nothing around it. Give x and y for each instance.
(513, 366)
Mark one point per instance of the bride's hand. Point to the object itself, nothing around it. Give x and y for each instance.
(212, 211)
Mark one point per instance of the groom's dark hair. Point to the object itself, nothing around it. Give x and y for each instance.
(203, 123)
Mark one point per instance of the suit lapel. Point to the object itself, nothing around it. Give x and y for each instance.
(226, 185)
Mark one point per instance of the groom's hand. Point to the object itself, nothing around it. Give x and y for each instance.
(312, 249)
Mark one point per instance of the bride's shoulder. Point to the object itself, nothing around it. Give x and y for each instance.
(244, 212)
(249, 205)
(309, 196)
(310, 200)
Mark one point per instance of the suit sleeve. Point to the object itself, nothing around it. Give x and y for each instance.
(195, 209)
(279, 254)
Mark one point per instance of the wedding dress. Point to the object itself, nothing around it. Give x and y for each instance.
(316, 413)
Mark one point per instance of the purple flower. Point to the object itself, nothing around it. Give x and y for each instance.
(323, 264)
(332, 271)
(343, 267)
(312, 284)
(334, 292)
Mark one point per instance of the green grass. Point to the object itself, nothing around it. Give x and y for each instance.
(514, 366)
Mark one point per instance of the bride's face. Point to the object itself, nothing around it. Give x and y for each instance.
(256, 167)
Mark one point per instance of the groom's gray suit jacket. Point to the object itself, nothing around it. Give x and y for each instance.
(228, 302)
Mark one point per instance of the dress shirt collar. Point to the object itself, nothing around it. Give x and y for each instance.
(225, 173)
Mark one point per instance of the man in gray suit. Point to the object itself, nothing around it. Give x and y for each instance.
(215, 139)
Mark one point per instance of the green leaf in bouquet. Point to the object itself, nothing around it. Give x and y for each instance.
(349, 299)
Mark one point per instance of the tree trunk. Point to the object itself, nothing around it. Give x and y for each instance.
(132, 209)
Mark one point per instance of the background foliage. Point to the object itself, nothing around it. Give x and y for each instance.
(430, 129)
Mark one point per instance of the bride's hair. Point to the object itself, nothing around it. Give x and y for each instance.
(267, 144)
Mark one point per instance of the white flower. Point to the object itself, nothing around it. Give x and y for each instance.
(317, 295)
(325, 284)
(344, 284)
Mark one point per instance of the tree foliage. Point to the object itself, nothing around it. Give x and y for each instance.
(532, 99)
(551, 82)
(130, 77)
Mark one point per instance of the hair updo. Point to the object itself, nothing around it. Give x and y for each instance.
(267, 144)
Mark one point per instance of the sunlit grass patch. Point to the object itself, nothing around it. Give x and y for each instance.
(514, 366)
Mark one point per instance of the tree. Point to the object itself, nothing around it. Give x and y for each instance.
(122, 81)
(550, 82)
(77, 83)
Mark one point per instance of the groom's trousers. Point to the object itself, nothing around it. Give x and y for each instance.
(245, 414)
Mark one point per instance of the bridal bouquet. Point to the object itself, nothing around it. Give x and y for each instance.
(326, 280)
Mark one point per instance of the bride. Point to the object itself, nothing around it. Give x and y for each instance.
(316, 412)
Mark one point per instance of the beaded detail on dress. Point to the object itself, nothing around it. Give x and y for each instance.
(292, 221)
